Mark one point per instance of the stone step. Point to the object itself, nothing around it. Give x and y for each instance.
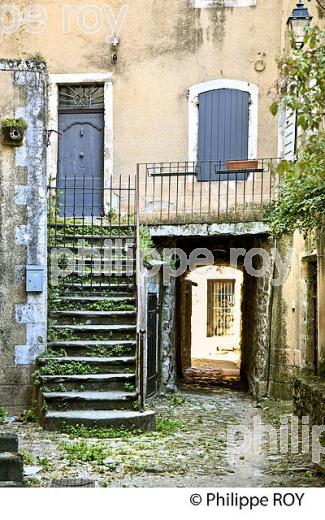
(8, 442)
(79, 236)
(89, 382)
(11, 467)
(113, 289)
(116, 332)
(12, 484)
(123, 271)
(126, 360)
(89, 400)
(88, 250)
(82, 302)
(95, 317)
(95, 299)
(95, 328)
(92, 223)
(145, 421)
(103, 364)
(91, 314)
(87, 347)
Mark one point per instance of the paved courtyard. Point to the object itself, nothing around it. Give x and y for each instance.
(189, 448)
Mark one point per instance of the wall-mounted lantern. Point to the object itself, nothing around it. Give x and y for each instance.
(298, 22)
(114, 43)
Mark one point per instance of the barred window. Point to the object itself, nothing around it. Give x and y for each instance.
(221, 307)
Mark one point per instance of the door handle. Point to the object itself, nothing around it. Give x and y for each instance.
(81, 155)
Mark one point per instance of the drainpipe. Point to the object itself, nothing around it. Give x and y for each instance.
(270, 317)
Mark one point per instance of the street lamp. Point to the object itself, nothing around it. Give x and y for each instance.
(298, 22)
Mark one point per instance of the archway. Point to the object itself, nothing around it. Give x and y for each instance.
(211, 325)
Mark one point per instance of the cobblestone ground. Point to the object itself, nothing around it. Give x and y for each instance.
(189, 449)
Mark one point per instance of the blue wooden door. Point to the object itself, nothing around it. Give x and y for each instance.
(223, 132)
(81, 164)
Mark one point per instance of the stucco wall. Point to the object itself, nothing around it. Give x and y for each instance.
(165, 48)
(22, 231)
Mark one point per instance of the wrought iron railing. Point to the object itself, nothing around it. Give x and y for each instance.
(209, 191)
(96, 228)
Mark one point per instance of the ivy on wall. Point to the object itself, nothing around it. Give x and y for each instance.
(301, 88)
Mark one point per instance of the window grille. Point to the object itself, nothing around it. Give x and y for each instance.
(221, 307)
(81, 96)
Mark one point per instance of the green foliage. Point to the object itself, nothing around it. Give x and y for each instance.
(47, 464)
(30, 415)
(3, 414)
(70, 368)
(146, 244)
(60, 334)
(50, 353)
(91, 432)
(177, 399)
(301, 88)
(301, 200)
(83, 452)
(168, 426)
(110, 351)
(301, 85)
(19, 123)
(27, 458)
(100, 305)
(128, 387)
(36, 57)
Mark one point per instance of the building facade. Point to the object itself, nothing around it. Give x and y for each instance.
(181, 89)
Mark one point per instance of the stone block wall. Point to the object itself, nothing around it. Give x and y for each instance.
(23, 186)
(309, 398)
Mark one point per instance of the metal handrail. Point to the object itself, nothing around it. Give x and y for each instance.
(140, 330)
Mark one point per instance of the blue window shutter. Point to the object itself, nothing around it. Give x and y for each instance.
(223, 129)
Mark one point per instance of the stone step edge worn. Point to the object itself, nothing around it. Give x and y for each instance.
(101, 418)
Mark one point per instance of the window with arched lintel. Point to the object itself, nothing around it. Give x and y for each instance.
(223, 119)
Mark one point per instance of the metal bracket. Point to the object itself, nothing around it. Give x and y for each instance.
(49, 133)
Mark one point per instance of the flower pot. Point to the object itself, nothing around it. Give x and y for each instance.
(13, 135)
(242, 165)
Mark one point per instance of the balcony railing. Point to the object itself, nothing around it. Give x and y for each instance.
(172, 193)
(206, 192)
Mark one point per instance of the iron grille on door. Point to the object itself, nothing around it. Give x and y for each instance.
(221, 307)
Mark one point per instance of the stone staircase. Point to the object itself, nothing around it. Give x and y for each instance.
(87, 376)
(11, 463)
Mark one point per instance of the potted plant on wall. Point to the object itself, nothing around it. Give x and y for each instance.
(13, 131)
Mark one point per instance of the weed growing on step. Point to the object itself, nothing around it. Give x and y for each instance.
(100, 305)
(61, 334)
(92, 230)
(93, 432)
(146, 244)
(3, 414)
(70, 368)
(128, 387)
(110, 351)
(136, 405)
(54, 353)
(81, 451)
